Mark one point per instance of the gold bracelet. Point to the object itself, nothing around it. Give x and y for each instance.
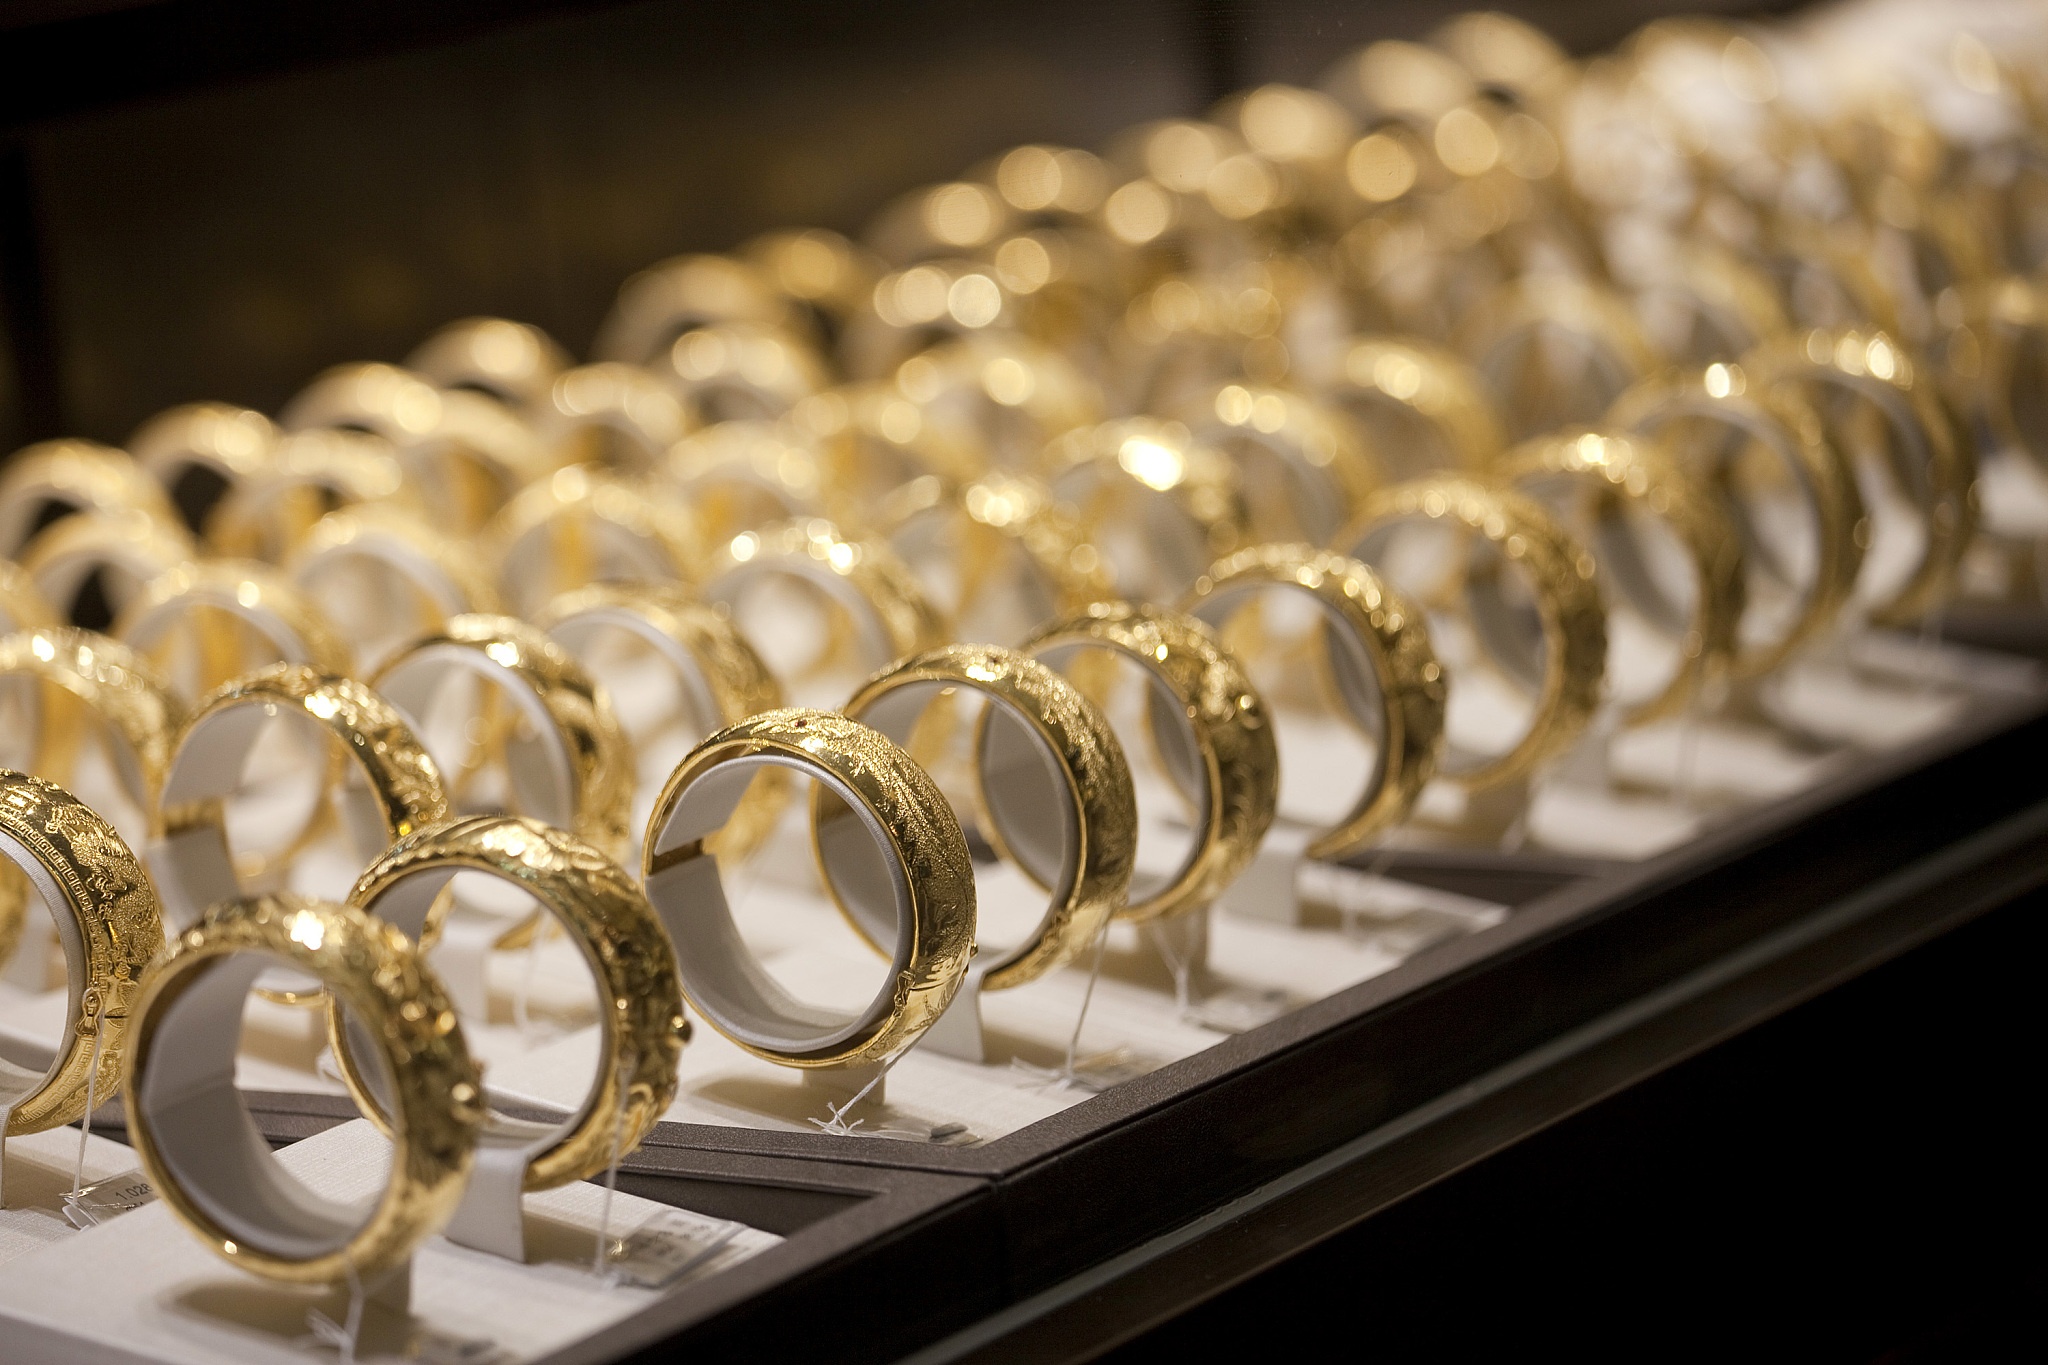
(117, 686)
(114, 557)
(1224, 761)
(674, 296)
(581, 525)
(572, 768)
(200, 451)
(1424, 408)
(745, 476)
(1926, 457)
(21, 603)
(1510, 337)
(1604, 474)
(640, 1021)
(820, 273)
(513, 362)
(1565, 665)
(612, 416)
(1716, 424)
(310, 473)
(874, 439)
(389, 785)
(925, 890)
(58, 479)
(1380, 662)
(996, 556)
(207, 1160)
(722, 679)
(107, 922)
(255, 596)
(1304, 467)
(384, 576)
(1157, 506)
(1053, 789)
(1007, 394)
(740, 371)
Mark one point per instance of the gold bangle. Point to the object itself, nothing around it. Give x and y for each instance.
(1004, 393)
(1001, 535)
(513, 362)
(613, 416)
(581, 525)
(1304, 467)
(359, 564)
(1424, 408)
(107, 921)
(118, 687)
(721, 677)
(199, 451)
(1612, 471)
(910, 311)
(574, 770)
(640, 1021)
(309, 475)
(114, 556)
(1224, 763)
(389, 787)
(1158, 506)
(1508, 338)
(1383, 669)
(874, 439)
(670, 298)
(1565, 669)
(1053, 787)
(740, 371)
(1926, 458)
(819, 272)
(254, 595)
(1712, 423)
(925, 888)
(204, 1156)
(21, 603)
(880, 597)
(743, 476)
(57, 479)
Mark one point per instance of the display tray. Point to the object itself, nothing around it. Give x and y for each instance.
(1602, 973)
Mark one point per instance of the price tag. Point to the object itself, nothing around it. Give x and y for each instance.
(93, 1204)
(669, 1246)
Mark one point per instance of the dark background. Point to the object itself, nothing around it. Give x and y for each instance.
(217, 198)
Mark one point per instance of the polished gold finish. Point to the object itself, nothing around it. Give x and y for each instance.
(919, 837)
(1101, 839)
(1405, 681)
(1568, 678)
(126, 551)
(1234, 782)
(66, 478)
(309, 474)
(61, 845)
(376, 974)
(600, 769)
(215, 443)
(616, 417)
(746, 476)
(640, 1019)
(1615, 471)
(581, 525)
(116, 686)
(255, 595)
(388, 546)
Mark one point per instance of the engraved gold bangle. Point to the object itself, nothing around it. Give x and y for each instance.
(1708, 422)
(197, 1144)
(200, 451)
(513, 362)
(573, 770)
(613, 416)
(1304, 467)
(1380, 661)
(581, 525)
(721, 677)
(1224, 761)
(1158, 506)
(56, 479)
(1053, 787)
(1001, 535)
(919, 878)
(1424, 407)
(108, 925)
(257, 596)
(1927, 457)
(310, 473)
(744, 476)
(1564, 668)
(21, 603)
(389, 784)
(1510, 339)
(121, 553)
(380, 548)
(1613, 470)
(118, 687)
(640, 1017)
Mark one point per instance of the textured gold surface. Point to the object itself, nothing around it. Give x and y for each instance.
(1092, 766)
(924, 839)
(1392, 633)
(1621, 470)
(1567, 602)
(118, 686)
(1240, 763)
(110, 899)
(641, 1006)
(377, 973)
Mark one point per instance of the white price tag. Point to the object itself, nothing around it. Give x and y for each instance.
(669, 1246)
(94, 1204)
